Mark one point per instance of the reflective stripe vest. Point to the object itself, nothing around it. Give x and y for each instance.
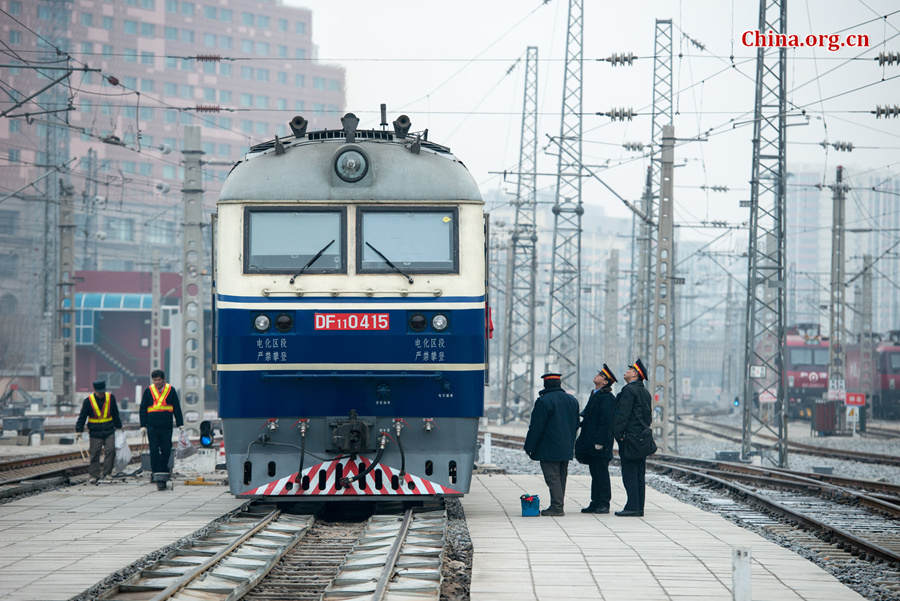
(159, 399)
(99, 417)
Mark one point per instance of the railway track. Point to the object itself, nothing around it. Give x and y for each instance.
(732, 433)
(263, 554)
(45, 466)
(859, 516)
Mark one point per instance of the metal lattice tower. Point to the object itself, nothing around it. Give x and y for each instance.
(765, 318)
(518, 368)
(837, 307)
(192, 323)
(64, 335)
(155, 349)
(866, 338)
(664, 297)
(564, 339)
(662, 112)
(611, 349)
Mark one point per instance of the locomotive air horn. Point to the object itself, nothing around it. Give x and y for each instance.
(401, 126)
(298, 126)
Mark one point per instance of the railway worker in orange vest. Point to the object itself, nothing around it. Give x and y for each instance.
(159, 406)
(100, 411)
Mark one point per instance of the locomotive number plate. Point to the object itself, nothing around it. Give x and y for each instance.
(352, 321)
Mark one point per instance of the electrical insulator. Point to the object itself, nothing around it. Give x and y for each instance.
(886, 111)
(715, 188)
(695, 43)
(621, 58)
(208, 58)
(620, 114)
(842, 146)
(207, 108)
(633, 146)
(888, 58)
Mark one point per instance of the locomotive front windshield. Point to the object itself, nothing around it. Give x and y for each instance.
(284, 241)
(895, 362)
(416, 240)
(808, 356)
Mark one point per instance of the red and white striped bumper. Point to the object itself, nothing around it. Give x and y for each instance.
(409, 484)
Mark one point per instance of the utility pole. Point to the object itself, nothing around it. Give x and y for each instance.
(866, 339)
(765, 325)
(837, 389)
(662, 113)
(155, 354)
(498, 251)
(664, 301)
(89, 204)
(518, 368)
(193, 256)
(564, 338)
(611, 350)
(64, 339)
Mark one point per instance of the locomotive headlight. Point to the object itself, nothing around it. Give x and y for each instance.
(439, 322)
(283, 322)
(351, 165)
(417, 322)
(261, 322)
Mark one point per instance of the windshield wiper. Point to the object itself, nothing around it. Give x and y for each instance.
(391, 265)
(310, 262)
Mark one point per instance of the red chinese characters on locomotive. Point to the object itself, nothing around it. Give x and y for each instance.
(352, 321)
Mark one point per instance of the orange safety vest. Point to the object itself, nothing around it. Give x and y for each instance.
(159, 399)
(100, 417)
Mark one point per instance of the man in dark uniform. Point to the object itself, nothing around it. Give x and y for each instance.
(101, 412)
(631, 417)
(551, 438)
(159, 405)
(594, 444)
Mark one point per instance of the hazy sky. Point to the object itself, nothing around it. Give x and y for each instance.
(445, 65)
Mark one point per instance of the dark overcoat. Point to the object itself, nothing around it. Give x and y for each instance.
(632, 413)
(554, 420)
(596, 427)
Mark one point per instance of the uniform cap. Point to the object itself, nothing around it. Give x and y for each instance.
(638, 366)
(552, 376)
(608, 374)
(99, 385)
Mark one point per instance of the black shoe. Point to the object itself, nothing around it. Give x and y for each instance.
(596, 509)
(629, 513)
(550, 511)
(160, 485)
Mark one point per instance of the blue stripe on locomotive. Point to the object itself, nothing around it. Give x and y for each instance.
(432, 392)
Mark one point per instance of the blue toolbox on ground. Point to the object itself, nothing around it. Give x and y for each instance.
(531, 505)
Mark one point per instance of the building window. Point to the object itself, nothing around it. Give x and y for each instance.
(334, 85)
(187, 9)
(15, 36)
(318, 83)
(15, 7)
(107, 49)
(44, 12)
(209, 68)
(246, 99)
(146, 140)
(225, 14)
(282, 77)
(161, 232)
(247, 19)
(171, 6)
(128, 166)
(87, 19)
(146, 169)
(186, 91)
(107, 23)
(209, 148)
(209, 12)
(246, 126)
(299, 105)
(226, 42)
(168, 171)
(225, 150)
(247, 46)
(146, 113)
(282, 104)
(261, 128)
(171, 62)
(262, 75)
(15, 126)
(14, 155)
(299, 80)
(300, 53)
(148, 30)
(301, 28)
(187, 118)
(209, 94)
(170, 89)
(225, 70)
(225, 96)
(8, 221)
(209, 40)
(261, 102)
(9, 264)
(171, 33)
(130, 27)
(129, 82)
(246, 72)
(282, 51)
(120, 229)
(187, 64)
(282, 24)
(148, 4)
(187, 36)
(130, 55)
(225, 122)
(262, 21)
(147, 58)
(87, 47)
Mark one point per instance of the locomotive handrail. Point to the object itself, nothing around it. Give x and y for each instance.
(369, 374)
(366, 292)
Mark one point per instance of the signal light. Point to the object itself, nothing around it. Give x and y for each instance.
(206, 434)
(736, 402)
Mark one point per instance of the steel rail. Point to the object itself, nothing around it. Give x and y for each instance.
(391, 561)
(173, 589)
(810, 522)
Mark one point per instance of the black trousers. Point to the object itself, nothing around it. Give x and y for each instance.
(107, 444)
(555, 473)
(633, 478)
(600, 489)
(160, 442)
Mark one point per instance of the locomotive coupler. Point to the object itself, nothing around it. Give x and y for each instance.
(350, 436)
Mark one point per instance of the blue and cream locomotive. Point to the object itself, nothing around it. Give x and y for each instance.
(350, 315)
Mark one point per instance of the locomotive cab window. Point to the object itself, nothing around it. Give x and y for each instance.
(282, 240)
(418, 240)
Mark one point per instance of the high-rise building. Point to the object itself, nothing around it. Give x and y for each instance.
(808, 248)
(240, 69)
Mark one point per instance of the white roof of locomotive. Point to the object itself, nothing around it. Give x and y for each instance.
(305, 171)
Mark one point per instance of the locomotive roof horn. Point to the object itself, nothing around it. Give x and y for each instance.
(298, 126)
(401, 126)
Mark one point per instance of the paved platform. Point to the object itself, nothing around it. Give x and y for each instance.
(676, 552)
(55, 545)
